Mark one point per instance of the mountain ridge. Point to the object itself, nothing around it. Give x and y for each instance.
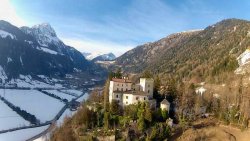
(99, 56)
(191, 54)
(37, 51)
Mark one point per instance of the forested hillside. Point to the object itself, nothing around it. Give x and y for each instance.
(203, 74)
(196, 54)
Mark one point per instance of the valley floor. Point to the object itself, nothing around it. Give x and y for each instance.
(37, 103)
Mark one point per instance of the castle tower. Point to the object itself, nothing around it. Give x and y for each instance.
(147, 85)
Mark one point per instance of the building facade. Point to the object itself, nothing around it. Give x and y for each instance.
(165, 105)
(125, 92)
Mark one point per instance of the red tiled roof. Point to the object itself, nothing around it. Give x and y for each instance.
(164, 102)
(121, 80)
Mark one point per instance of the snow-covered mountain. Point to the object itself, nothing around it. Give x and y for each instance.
(90, 56)
(37, 51)
(44, 34)
(85, 54)
(97, 56)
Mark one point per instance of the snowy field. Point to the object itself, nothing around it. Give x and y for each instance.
(74, 92)
(26, 81)
(84, 97)
(42, 106)
(22, 135)
(61, 94)
(10, 119)
(67, 113)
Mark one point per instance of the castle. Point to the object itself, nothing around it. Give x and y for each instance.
(125, 92)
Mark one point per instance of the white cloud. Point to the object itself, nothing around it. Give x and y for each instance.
(97, 46)
(8, 13)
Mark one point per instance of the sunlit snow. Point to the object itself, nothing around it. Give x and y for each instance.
(42, 106)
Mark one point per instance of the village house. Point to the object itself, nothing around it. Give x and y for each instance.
(125, 92)
(165, 105)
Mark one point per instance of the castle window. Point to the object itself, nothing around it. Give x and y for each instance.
(122, 85)
(118, 101)
(137, 98)
(117, 96)
(126, 102)
(126, 97)
(148, 85)
(144, 98)
(126, 89)
(148, 91)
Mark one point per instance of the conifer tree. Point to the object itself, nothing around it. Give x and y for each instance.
(148, 114)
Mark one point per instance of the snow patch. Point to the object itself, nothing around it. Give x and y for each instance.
(69, 76)
(93, 55)
(191, 31)
(9, 60)
(244, 57)
(29, 42)
(48, 51)
(243, 61)
(21, 60)
(105, 62)
(5, 34)
(200, 90)
(3, 76)
(26, 81)
(77, 70)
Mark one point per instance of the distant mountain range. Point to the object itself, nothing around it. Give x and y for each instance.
(37, 51)
(99, 56)
(199, 54)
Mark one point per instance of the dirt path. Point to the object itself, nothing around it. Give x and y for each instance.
(237, 133)
(208, 130)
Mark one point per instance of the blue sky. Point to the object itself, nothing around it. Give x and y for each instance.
(119, 25)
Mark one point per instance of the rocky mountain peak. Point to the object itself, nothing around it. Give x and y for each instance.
(36, 51)
(97, 56)
(45, 29)
(44, 34)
